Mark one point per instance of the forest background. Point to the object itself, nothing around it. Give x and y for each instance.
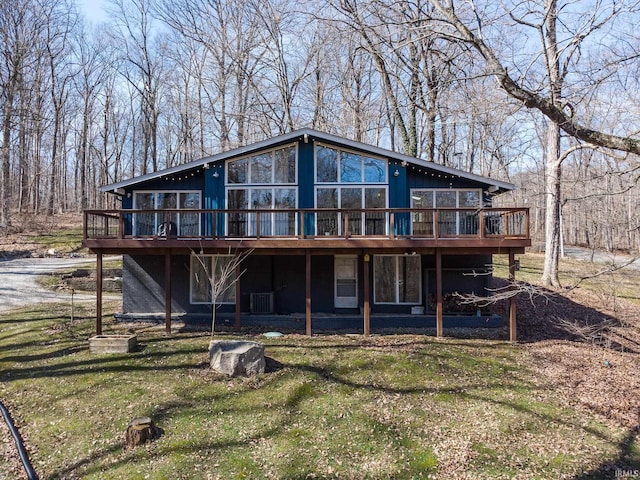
(541, 93)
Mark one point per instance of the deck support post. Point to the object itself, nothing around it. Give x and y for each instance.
(512, 300)
(308, 291)
(438, 292)
(167, 292)
(237, 285)
(367, 317)
(99, 292)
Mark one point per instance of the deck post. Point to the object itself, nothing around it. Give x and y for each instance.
(512, 300)
(167, 291)
(367, 318)
(238, 274)
(99, 292)
(438, 292)
(308, 291)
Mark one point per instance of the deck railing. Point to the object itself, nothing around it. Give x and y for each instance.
(392, 223)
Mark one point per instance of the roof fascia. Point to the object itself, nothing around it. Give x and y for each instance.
(307, 134)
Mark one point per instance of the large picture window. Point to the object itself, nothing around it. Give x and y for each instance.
(450, 223)
(276, 166)
(265, 181)
(339, 166)
(184, 224)
(350, 182)
(212, 274)
(397, 279)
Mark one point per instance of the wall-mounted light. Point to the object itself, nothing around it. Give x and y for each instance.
(396, 173)
(216, 174)
(128, 194)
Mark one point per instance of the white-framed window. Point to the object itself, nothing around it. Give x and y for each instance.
(465, 222)
(335, 165)
(263, 181)
(354, 198)
(278, 223)
(211, 274)
(175, 223)
(397, 279)
(349, 180)
(275, 166)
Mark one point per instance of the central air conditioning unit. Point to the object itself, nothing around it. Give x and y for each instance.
(261, 302)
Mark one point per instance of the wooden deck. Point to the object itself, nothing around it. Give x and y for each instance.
(295, 231)
(309, 232)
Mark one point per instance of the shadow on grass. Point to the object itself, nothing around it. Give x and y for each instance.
(627, 465)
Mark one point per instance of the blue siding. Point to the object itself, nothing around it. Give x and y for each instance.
(398, 193)
(306, 169)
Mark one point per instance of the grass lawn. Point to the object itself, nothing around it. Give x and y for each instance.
(401, 406)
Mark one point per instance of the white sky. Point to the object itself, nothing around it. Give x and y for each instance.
(93, 10)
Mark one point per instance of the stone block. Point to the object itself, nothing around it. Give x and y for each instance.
(237, 358)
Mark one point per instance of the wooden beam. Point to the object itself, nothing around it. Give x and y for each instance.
(308, 291)
(99, 293)
(438, 292)
(367, 318)
(238, 297)
(167, 292)
(141, 246)
(512, 301)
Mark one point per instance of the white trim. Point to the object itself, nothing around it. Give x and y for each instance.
(273, 170)
(353, 152)
(352, 301)
(155, 207)
(435, 206)
(249, 189)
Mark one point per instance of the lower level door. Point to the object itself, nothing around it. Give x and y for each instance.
(346, 281)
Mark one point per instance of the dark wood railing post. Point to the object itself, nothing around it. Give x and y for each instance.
(84, 225)
(346, 225)
(392, 225)
(121, 224)
(481, 224)
(436, 221)
(257, 225)
(99, 292)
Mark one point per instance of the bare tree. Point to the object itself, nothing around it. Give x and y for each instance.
(544, 92)
(219, 273)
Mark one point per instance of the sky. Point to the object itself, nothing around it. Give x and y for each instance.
(93, 10)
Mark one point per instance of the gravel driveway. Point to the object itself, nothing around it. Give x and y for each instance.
(18, 286)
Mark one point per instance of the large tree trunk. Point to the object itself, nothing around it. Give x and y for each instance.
(553, 166)
(553, 172)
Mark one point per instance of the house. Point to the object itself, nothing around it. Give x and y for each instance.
(338, 230)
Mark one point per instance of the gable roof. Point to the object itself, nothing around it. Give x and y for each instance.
(310, 134)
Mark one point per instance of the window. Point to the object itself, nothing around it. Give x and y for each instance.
(359, 183)
(268, 167)
(252, 184)
(450, 223)
(184, 224)
(340, 166)
(352, 199)
(397, 279)
(212, 274)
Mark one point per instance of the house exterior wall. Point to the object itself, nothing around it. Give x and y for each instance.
(284, 275)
